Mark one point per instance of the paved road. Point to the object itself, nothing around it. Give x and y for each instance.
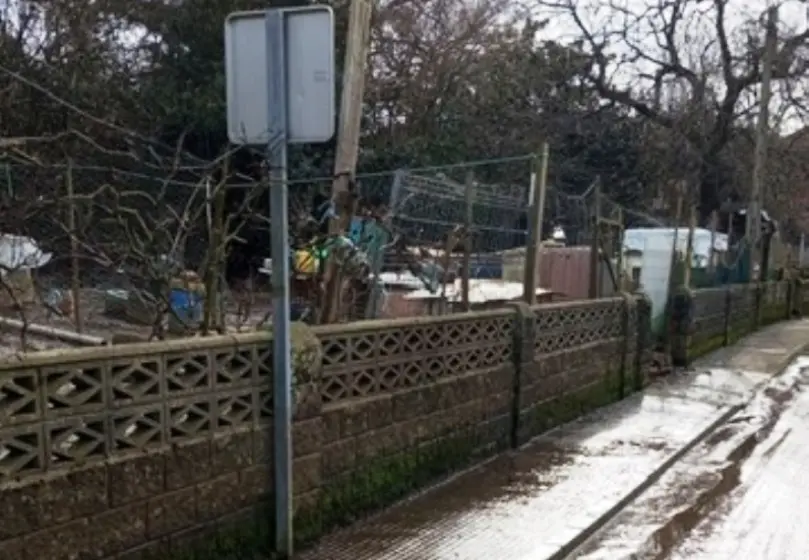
(767, 516)
(534, 503)
(742, 494)
(528, 504)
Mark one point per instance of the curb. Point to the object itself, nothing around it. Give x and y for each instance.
(791, 357)
(566, 550)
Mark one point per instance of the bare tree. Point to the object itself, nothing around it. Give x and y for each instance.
(120, 228)
(704, 55)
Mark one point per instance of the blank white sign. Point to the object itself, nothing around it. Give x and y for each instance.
(309, 79)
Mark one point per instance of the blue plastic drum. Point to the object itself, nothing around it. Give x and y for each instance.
(186, 305)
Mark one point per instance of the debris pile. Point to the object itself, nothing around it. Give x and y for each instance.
(18, 256)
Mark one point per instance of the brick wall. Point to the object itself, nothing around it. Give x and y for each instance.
(124, 451)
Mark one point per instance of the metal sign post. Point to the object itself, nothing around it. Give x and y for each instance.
(279, 252)
(280, 90)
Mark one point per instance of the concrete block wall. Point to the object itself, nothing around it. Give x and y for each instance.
(707, 319)
(142, 449)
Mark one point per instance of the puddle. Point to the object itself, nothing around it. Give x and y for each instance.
(720, 495)
(721, 435)
(455, 510)
(770, 451)
(713, 488)
(700, 490)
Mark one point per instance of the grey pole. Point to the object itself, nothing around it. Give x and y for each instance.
(279, 223)
(753, 221)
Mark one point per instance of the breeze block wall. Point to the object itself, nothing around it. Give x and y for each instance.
(141, 449)
(152, 450)
(579, 356)
(706, 319)
(405, 401)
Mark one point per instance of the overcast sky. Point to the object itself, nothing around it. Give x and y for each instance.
(697, 35)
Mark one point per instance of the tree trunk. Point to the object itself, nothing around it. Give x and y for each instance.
(713, 188)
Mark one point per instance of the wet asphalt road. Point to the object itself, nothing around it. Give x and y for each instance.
(534, 503)
(744, 493)
(767, 516)
(529, 504)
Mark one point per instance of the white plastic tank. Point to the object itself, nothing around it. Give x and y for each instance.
(655, 245)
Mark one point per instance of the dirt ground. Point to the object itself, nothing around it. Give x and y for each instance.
(96, 323)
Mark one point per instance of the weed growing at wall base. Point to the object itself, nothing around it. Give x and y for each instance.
(565, 408)
(383, 480)
(370, 486)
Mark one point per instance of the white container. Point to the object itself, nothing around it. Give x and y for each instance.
(655, 246)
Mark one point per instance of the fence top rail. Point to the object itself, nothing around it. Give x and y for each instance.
(404, 322)
(577, 303)
(132, 350)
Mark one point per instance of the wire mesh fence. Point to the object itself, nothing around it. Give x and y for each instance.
(414, 233)
(427, 209)
(412, 228)
(447, 223)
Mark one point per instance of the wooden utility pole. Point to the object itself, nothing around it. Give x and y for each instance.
(214, 314)
(75, 283)
(348, 140)
(726, 260)
(689, 248)
(620, 273)
(678, 214)
(595, 241)
(711, 267)
(539, 180)
(678, 211)
(9, 182)
(753, 225)
(469, 199)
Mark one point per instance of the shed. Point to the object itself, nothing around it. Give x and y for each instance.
(483, 294)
